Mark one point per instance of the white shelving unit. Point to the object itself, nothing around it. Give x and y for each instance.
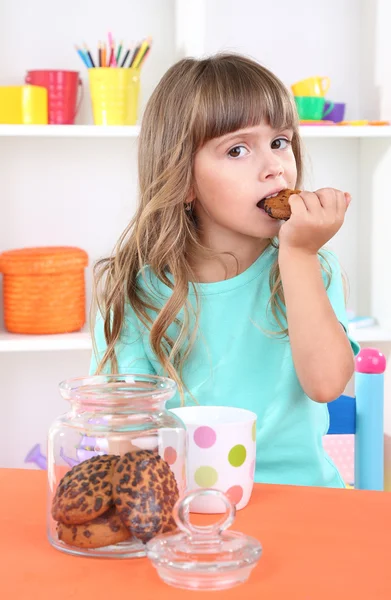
(12, 342)
(68, 131)
(345, 131)
(372, 335)
(77, 184)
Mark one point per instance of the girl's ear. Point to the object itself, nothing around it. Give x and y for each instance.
(190, 201)
(191, 196)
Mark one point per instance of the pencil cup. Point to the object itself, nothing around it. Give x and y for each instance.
(114, 95)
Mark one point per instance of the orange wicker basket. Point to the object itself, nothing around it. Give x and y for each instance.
(44, 289)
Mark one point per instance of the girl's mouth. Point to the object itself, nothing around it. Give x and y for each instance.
(261, 203)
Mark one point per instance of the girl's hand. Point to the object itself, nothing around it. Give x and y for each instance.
(316, 218)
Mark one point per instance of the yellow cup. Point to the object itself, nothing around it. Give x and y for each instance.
(114, 95)
(23, 105)
(313, 86)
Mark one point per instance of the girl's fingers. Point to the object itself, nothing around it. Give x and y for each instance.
(312, 202)
(348, 199)
(297, 205)
(328, 199)
(343, 201)
(324, 203)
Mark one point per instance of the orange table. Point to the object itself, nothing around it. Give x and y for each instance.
(318, 544)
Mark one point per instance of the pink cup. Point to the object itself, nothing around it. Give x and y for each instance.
(62, 87)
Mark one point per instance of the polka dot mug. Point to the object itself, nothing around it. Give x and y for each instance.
(220, 454)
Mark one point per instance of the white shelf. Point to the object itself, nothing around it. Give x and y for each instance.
(371, 334)
(345, 131)
(73, 131)
(115, 131)
(81, 340)
(11, 342)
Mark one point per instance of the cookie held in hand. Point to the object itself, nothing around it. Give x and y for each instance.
(278, 206)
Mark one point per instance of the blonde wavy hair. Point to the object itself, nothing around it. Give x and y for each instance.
(195, 101)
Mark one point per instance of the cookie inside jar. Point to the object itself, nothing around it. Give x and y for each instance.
(109, 499)
(116, 466)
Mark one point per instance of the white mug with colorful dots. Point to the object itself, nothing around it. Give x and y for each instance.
(220, 454)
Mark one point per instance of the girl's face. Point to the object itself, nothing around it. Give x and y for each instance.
(233, 173)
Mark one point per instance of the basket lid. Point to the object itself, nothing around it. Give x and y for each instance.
(47, 259)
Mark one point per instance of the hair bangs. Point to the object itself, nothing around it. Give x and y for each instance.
(237, 94)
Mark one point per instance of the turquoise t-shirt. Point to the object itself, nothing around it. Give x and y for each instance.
(236, 362)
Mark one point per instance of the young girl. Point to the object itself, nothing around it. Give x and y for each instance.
(204, 287)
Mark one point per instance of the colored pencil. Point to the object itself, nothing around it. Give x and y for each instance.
(140, 53)
(89, 55)
(108, 56)
(82, 56)
(87, 59)
(135, 52)
(142, 60)
(114, 60)
(141, 57)
(111, 56)
(119, 52)
(126, 56)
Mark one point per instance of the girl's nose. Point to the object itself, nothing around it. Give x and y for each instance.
(271, 168)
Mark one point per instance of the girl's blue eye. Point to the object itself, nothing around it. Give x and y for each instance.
(278, 144)
(235, 151)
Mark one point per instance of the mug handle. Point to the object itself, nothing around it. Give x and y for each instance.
(81, 95)
(325, 84)
(329, 109)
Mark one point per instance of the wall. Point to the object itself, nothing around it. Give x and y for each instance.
(296, 40)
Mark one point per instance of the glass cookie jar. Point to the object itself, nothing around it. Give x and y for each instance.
(116, 465)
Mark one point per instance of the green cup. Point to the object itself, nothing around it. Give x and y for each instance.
(311, 108)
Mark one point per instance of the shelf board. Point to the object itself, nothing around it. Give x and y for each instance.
(77, 131)
(371, 334)
(81, 340)
(12, 342)
(345, 131)
(115, 131)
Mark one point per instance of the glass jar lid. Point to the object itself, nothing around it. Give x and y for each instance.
(207, 557)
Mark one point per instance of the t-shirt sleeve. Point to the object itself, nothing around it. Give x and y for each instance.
(335, 292)
(130, 350)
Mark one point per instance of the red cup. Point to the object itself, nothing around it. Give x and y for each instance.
(62, 87)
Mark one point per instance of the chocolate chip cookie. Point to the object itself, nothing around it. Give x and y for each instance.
(278, 206)
(86, 491)
(103, 531)
(144, 492)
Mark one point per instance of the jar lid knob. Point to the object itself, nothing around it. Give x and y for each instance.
(182, 508)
